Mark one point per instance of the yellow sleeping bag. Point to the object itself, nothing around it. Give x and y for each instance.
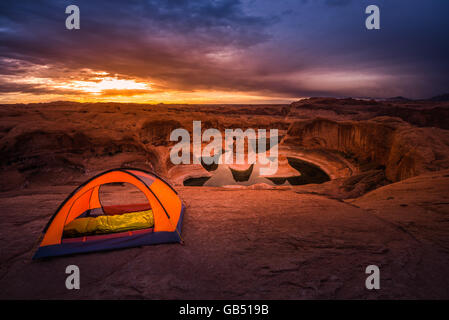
(109, 224)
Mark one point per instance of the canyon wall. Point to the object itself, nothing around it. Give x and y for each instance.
(402, 150)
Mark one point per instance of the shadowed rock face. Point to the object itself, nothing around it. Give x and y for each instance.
(309, 173)
(157, 132)
(404, 151)
(242, 175)
(209, 167)
(195, 182)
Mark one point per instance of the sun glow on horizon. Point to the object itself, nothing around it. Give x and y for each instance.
(104, 84)
(87, 85)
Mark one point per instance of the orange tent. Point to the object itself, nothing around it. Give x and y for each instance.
(167, 210)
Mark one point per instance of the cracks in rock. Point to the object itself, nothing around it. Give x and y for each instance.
(396, 226)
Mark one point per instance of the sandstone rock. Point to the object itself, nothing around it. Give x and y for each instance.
(404, 151)
(242, 242)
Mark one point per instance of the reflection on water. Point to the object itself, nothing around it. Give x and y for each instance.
(224, 175)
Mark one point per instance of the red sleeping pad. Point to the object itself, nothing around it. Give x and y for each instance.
(125, 208)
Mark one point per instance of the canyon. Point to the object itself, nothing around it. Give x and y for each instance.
(359, 182)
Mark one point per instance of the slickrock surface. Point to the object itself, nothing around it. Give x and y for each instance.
(386, 203)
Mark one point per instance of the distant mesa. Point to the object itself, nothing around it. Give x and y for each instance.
(442, 97)
(398, 98)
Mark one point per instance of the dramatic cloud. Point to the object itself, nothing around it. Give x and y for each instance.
(226, 51)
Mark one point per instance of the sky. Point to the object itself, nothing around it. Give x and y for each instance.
(222, 51)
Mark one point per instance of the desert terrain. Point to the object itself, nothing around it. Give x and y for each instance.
(360, 182)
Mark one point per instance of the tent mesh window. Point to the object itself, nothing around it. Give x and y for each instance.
(124, 208)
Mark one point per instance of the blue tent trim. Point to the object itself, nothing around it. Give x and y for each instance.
(115, 243)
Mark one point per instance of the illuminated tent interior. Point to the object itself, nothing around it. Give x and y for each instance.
(83, 224)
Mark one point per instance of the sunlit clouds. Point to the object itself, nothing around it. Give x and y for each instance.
(224, 51)
(39, 84)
